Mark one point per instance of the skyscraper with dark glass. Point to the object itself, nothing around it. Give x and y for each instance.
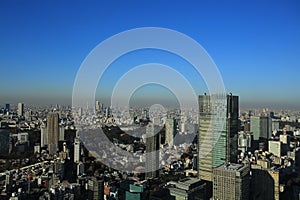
(152, 151)
(218, 131)
(7, 107)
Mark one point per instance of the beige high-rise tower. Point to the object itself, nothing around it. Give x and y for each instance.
(52, 132)
(20, 109)
(170, 131)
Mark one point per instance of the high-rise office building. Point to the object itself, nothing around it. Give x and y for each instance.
(97, 106)
(59, 168)
(152, 151)
(244, 141)
(107, 112)
(44, 138)
(95, 189)
(52, 132)
(275, 124)
(170, 130)
(8, 181)
(218, 132)
(20, 109)
(231, 181)
(4, 142)
(275, 147)
(77, 150)
(80, 111)
(61, 133)
(261, 127)
(7, 107)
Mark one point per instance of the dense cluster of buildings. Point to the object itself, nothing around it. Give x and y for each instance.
(232, 154)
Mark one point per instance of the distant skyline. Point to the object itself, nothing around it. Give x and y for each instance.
(255, 45)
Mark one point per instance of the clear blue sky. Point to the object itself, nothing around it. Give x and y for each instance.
(255, 44)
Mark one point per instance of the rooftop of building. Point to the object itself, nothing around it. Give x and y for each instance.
(185, 184)
(232, 167)
(189, 181)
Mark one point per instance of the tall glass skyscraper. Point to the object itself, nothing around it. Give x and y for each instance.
(152, 151)
(218, 132)
(261, 127)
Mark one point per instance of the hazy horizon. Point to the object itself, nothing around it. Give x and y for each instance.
(255, 45)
